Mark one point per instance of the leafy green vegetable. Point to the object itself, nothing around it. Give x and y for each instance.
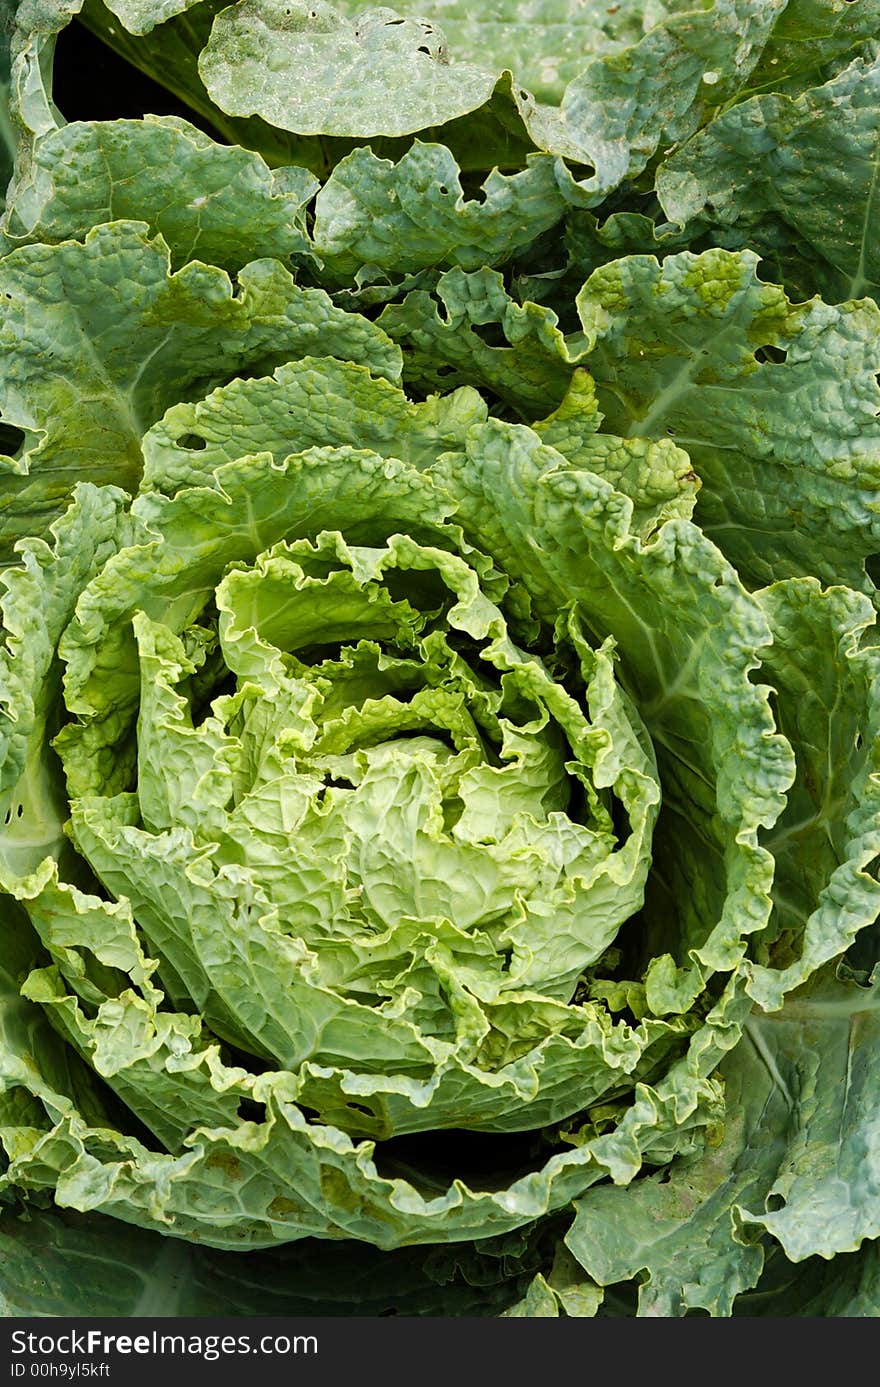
(439, 676)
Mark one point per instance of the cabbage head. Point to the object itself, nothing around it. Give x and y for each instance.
(439, 703)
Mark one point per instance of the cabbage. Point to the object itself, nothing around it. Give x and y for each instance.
(439, 703)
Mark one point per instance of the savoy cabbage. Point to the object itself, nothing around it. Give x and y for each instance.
(439, 680)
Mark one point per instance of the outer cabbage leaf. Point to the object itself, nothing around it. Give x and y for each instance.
(847, 1287)
(775, 403)
(562, 1290)
(236, 208)
(546, 45)
(413, 214)
(84, 377)
(345, 70)
(808, 163)
(316, 402)
(62, 1263)
(140, 16)
(824, 666)
(795, 1159)
(526, 361)
(811, 41)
